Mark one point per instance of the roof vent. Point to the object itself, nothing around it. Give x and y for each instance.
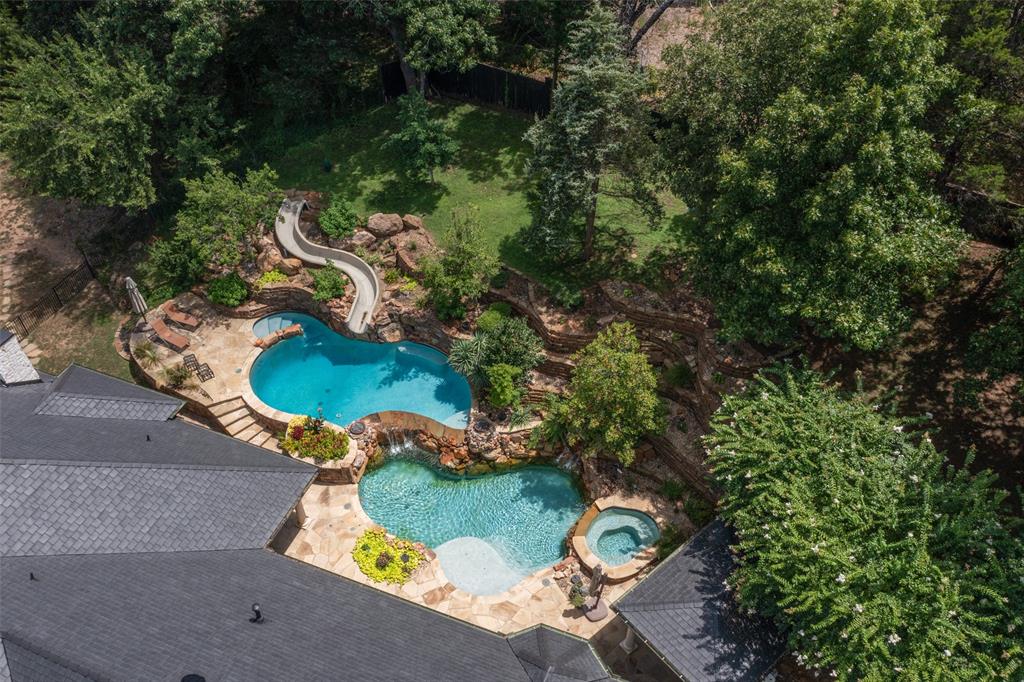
(257, 614)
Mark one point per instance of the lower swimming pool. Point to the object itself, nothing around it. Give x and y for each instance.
(489, 531)
(349, 379)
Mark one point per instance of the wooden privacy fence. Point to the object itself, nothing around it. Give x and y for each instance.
(482, 83)
(69, 286)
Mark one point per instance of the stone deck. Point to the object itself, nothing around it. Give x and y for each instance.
(335, 520)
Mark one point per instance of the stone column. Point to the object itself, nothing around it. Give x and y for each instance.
(301, 520)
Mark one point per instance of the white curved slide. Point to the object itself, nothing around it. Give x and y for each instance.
(355, 268)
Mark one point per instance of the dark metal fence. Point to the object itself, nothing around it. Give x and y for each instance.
(65, 290)
(482, 83)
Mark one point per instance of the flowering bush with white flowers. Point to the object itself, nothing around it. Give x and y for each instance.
(879, 561)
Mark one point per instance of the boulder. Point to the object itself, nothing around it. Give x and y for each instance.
(412, 222)
(290, 266)
(384, 224)
(391, 333)
(359, 239)
(269, 259)
(407, 264)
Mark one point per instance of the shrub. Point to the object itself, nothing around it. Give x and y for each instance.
(680, 375)
(339, 220)
(145, 353)
(698, 510)
(569, 297)
(375, 554)
(270, 277)
(229, 290)
(392, 276)
(489, 320)
(673, 489)
(510, 342)
(308, 437)
(460, 275)
(177, 375)
(328, 283)
(503, 380)
(671, 538)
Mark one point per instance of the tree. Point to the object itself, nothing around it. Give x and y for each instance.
(797, 140)
(612, 400)
(596, 138)
(979, 122)
(539, 28)
(340, 219)
(77, 125)
(434, 34)
(421, 143)
(879, 562)
(217, 226)
(463, 271)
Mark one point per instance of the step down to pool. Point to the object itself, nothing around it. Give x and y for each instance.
(222, 408)
(261, 437)
(233, 416)
(237, 427)
(249, 432)
(271, 444)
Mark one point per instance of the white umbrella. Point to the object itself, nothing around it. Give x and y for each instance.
(135, 297)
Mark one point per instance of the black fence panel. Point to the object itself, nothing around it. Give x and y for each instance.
(482, 83)
(69, 286)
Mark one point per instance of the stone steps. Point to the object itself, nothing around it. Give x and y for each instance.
(236, 427)
(226, 406)
(236, 419)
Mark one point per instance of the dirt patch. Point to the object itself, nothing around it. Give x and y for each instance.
(673, 27)
(37, 239)
(927, 361)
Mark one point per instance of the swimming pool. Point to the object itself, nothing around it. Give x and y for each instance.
(617, 534)
(349, 379)
(489, 531)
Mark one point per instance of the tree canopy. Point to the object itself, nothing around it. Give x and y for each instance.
(878, 560)
(612, 400)
(76, 124)
(798, 140)
(423, 143)
(464, 269)
(597, 137)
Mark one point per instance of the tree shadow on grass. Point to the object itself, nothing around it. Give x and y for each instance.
(399, 194)
(491, 147)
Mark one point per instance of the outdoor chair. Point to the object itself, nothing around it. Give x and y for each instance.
(204, 372)
(169, 337)
(190, 362)
(179, 317)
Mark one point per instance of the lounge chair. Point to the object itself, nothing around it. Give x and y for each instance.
(176, 316)
(168, 336)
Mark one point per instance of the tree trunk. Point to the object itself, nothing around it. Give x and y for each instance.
(398, 38)
(588, 236)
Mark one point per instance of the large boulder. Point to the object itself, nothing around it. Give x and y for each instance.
(384, 224)
(290, 266)
(412, 222)
(359, 239)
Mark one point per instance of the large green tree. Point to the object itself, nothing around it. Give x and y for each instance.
(797, 138)
(77, 124)
(216, 228)
(421, 143)
(434, 34)
(878, 560)
(596, 139)
(612, 400)
(464, 269)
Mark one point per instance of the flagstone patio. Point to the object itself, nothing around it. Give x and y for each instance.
(334, 521)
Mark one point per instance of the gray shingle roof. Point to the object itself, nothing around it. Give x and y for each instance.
(76, 509)
(162, 616)
(548, 655)
(22, 664)
(108, 528)
(684, 612)
(82, 392)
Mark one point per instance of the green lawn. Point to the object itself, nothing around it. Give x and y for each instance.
(489, 174)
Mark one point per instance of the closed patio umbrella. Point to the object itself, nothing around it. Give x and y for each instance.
(135, 297)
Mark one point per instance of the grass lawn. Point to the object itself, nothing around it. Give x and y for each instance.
(82, 332)
(488, 174)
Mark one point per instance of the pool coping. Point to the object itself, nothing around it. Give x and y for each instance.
(622, 572)
(387, 419)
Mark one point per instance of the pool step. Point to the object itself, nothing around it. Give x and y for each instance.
(237, 427)
(222, 408)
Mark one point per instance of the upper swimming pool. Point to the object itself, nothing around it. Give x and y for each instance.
(349, 379)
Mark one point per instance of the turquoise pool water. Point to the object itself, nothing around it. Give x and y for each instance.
(616, 535)
(489, 531)
(349, 379)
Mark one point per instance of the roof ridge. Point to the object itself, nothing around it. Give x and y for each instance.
(150, 465)
(5, 636)
(94, 396)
